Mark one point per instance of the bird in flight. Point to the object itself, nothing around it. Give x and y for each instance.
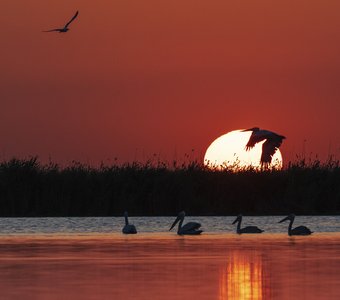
(65, 28)
(272, 142)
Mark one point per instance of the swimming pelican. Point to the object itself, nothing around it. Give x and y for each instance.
(300, 230)
(128, 228)
(247, 229)
(190, 228)
(269, 147)
(65, 28)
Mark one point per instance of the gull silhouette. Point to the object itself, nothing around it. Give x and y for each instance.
(65, 28)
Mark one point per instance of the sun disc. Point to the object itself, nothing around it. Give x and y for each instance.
(228, 151)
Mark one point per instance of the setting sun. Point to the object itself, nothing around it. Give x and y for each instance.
(229, 151)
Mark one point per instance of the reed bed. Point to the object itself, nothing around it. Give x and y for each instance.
(29, 188)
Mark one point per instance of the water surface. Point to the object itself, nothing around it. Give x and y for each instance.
(88, 258)
(86, 225)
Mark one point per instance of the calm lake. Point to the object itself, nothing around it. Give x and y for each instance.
(89, 258)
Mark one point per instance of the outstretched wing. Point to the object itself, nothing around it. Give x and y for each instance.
(254, 139)
(72, 19)
(269, 148)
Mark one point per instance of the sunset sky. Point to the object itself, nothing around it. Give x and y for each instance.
(133, 78)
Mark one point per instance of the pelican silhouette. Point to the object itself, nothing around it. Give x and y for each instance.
(65, 28)
(128, 228)
(247, 229)
(300, 230)
(269, 147)
(190, 228)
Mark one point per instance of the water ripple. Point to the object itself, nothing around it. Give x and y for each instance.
(104, 225)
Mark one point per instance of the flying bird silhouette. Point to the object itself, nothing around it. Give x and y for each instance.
(269, 147)
(65, 28)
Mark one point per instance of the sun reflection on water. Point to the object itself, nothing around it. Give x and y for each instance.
(243, 278)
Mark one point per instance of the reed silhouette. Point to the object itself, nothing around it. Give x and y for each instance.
(30, 188)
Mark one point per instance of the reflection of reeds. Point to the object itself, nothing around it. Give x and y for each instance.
(29, 188)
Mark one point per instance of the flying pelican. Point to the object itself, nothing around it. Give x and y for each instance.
(269, 147)
(300, 230)
(247, 229)
(190, 228)
(128, 228)
(65, 28)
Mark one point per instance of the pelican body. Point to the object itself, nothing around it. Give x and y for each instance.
(190, 228)
(300, 230)
(65, 28)
(247, 229)
(128, 228)
(272, 142)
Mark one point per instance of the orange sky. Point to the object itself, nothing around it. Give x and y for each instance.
(132, 78)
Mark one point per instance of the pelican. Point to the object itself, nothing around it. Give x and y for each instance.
(300, 230)
(269, 147)
(128, 228)
(65, 28)
(190, 228)
(247, 229)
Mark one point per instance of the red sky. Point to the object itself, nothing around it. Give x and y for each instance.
(133, 78)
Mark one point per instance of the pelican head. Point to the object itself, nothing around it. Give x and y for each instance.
(290, 217)
(239, 217)
(180, 216)
(251, 129)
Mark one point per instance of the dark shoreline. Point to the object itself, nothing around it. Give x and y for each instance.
(31, 189)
